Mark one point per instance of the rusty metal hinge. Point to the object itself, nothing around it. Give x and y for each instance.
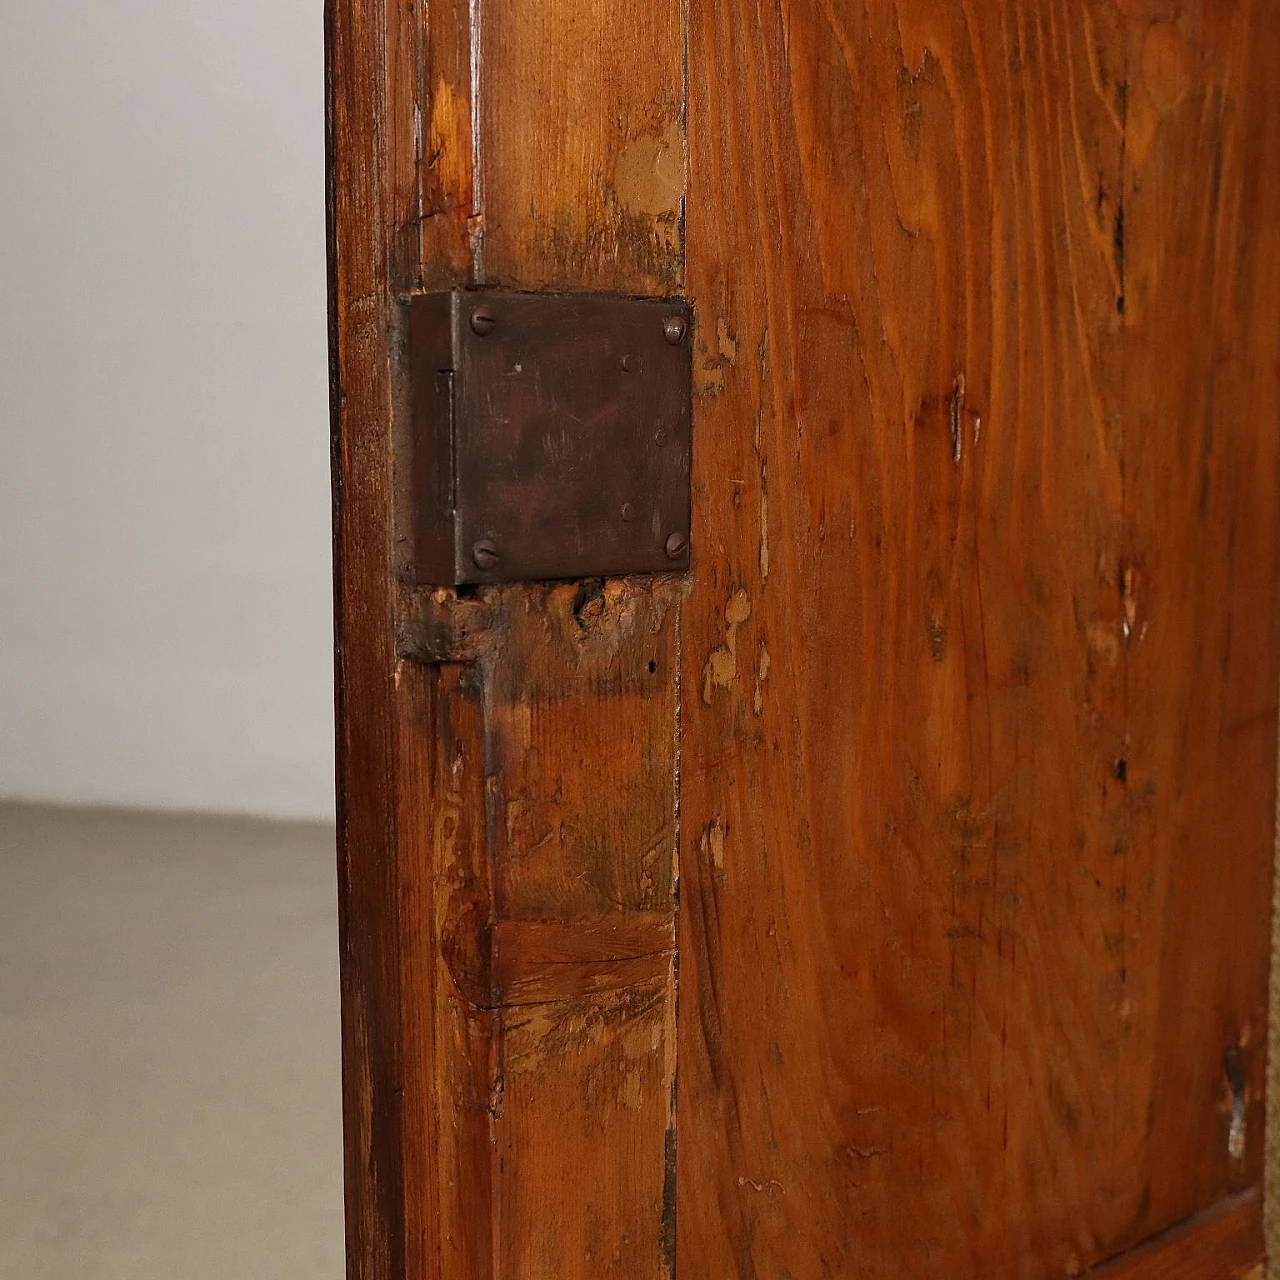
(551, 435)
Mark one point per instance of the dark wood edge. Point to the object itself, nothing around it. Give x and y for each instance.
(365, 716)
(1223, 1242)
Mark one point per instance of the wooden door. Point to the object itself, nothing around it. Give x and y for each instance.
(888, 896)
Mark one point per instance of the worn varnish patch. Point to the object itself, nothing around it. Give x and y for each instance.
(649, 174)
(722, 666)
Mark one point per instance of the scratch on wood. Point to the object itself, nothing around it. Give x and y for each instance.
(762, 674)
(957, 403)
(764, 521)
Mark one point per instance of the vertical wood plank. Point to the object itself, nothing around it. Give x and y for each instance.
(456, 1096)
(507, 785)
(1199, 285)
(550, 956)
(447, 144)
(974, 869)
(366, 732)
(582, 144)
(580, 729)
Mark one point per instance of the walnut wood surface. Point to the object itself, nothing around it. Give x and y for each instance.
(980, 651)
(1222, 1243)
(508, 759)
(970, 696)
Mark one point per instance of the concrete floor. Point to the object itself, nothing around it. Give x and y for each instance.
(169, 1072)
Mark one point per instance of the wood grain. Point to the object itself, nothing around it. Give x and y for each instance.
(366, 748)
(981, 649)
(970, 695)
(581, 144)
(1222, 1243)
(507, 762)
(539, 1022)
(574, 948)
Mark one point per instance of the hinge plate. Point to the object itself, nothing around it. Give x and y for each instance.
(551, 435)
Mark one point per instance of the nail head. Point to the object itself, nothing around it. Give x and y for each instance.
(485, 554)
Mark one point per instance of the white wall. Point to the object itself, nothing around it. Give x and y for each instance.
(165, 629)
